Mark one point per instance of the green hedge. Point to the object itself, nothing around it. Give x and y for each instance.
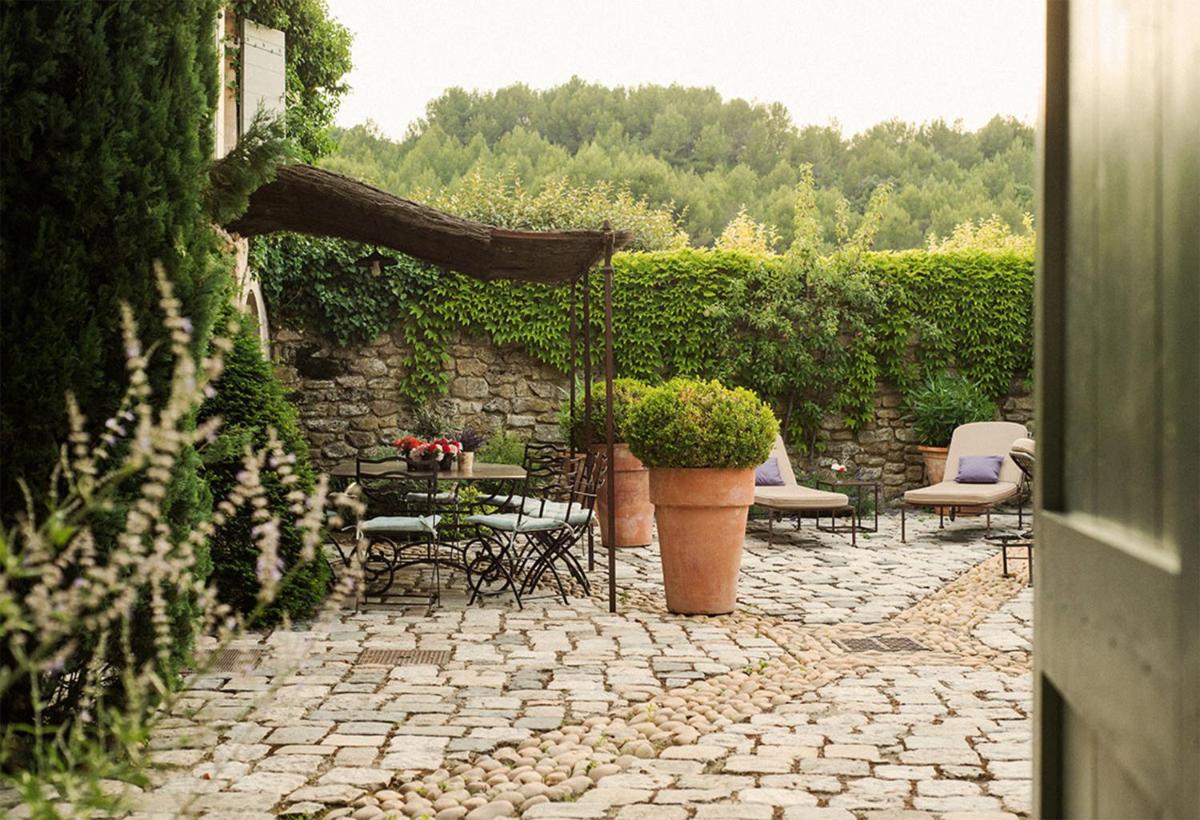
(811, 338)
(250, 401)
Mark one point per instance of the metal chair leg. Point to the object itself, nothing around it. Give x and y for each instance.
(903, 538)
(770, 527)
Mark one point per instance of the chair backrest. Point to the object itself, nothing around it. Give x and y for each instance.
(386, 486)
(779, 453)
(986, 438)
(1023, 453)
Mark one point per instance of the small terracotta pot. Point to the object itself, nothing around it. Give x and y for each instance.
(935, 462)
(635, 513)
(701, 515)
(466, 461)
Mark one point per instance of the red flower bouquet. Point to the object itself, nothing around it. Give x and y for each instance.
(427, 455)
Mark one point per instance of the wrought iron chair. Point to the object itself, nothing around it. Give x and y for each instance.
(408, 535)
(574, 507)
(495, 565)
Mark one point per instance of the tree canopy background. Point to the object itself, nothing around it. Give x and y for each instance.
(704, 159)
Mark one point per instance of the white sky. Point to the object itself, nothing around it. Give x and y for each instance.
(854, 61)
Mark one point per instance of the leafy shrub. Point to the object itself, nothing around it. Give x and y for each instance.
(249, 401)
(944, 402)
(626, 394)
(689, 423)
(503, 447)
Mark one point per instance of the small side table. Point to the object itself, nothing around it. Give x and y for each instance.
(856, 488)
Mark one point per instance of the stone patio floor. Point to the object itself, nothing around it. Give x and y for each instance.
(774, 712)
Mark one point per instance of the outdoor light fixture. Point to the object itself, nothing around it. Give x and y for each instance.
(375, 262)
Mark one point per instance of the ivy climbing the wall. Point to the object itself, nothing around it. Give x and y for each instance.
(812, 336)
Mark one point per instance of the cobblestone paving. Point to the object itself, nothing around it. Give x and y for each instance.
(569, 711)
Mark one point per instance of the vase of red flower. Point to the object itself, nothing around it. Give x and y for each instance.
(427, 456)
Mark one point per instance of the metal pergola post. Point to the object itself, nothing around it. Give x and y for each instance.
(609, 374)
(571, 363)
(587, 394)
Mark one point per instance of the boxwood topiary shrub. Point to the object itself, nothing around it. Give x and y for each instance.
(689, 423)
(626, 395)
(944, 402)
(250, 399)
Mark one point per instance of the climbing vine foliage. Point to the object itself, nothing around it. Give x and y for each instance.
(812, 336)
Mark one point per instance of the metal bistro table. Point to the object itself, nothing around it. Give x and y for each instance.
(857, 488)
(480, 471)
(396, 468)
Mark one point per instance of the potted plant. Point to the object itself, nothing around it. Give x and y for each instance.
(701, 442)
(469, 440)
(631, 479)
(939, 406)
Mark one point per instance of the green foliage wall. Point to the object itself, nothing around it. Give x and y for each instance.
(812, 337)
(250, 401)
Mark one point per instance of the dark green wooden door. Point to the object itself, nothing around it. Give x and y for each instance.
(1117, 622)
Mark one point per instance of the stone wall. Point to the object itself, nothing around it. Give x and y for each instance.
(348, 402)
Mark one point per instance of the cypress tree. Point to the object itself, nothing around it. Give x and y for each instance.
(107, 135)
(105, 147)
(250, 401)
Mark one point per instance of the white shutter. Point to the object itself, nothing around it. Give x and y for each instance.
(264, 76)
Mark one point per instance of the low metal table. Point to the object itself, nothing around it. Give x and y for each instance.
(856, 488)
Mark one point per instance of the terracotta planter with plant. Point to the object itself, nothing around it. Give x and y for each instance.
(631, 479)
(701, 442)
(937, 407)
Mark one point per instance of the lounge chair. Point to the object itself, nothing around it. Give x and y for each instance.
(981, 438)
(794, 498)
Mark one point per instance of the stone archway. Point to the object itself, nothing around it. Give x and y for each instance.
(249, 295)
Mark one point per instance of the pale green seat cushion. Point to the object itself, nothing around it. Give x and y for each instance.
(558, 511)
(511, 522)
(438, 498)
(502, 500)
(385, 524)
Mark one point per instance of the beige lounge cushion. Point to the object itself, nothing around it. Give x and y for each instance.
(1023, 445)
(986, 438)
(951, 493)
(798, 498)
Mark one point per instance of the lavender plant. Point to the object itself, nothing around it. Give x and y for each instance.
(69, 608)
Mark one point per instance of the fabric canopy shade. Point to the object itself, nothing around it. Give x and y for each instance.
(309, 200)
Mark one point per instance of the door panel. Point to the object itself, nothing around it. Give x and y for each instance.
(1117, 623)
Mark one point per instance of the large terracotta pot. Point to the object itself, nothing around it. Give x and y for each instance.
(701, 516)
(935, 462)
(635, 513)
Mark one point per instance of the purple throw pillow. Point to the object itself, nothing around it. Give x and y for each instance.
(767, 474)
(979, 469)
